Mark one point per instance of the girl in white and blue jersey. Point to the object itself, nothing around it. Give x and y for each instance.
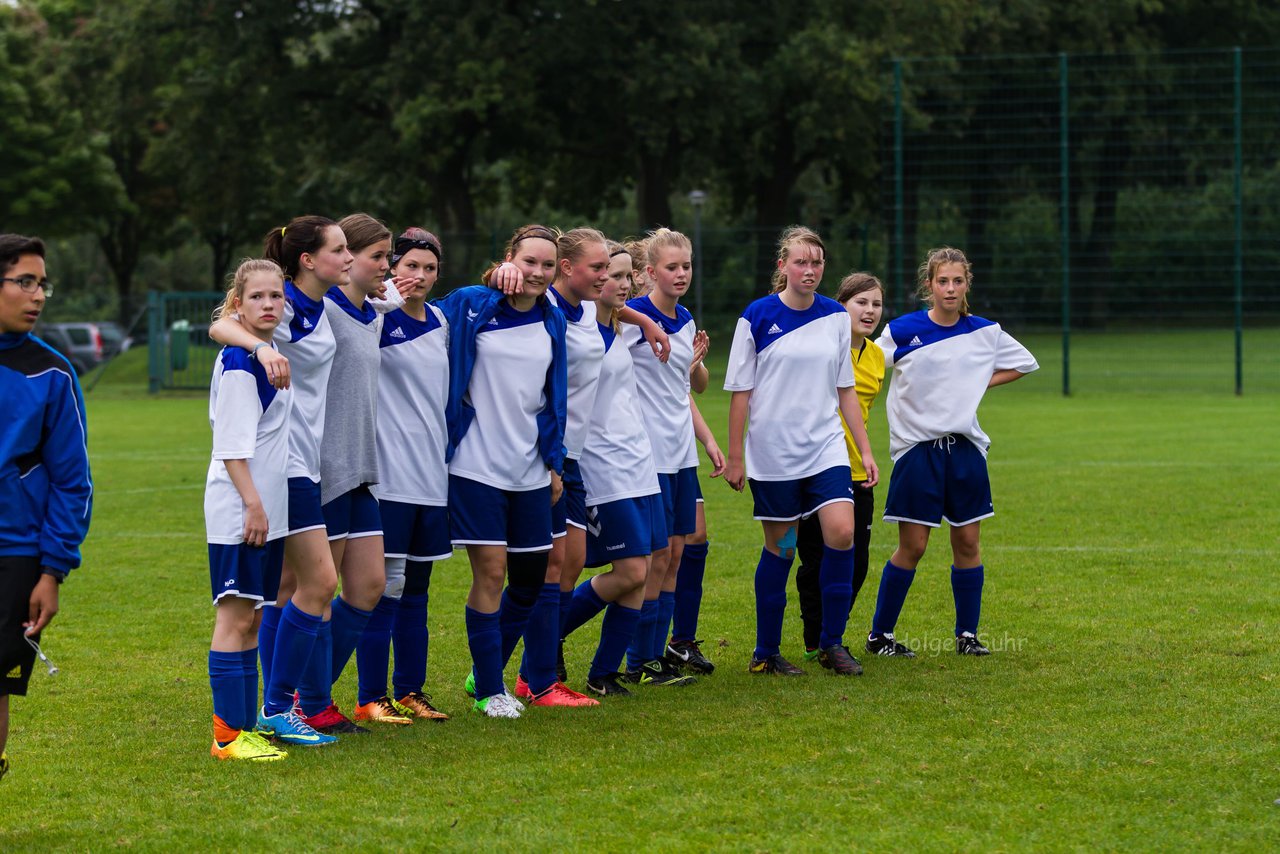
(506, 422)
(413, 483)
(312, 252)
(625, 519)
(790, 371)
(943, 359)
(670, 416)
(246, 507)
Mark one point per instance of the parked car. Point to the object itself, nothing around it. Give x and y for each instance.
(86, 345)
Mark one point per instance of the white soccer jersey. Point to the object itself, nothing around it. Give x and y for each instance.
(585, 350)
(940, 374)
(250, 421)
(305, 337)
(413, 386)
(617, 461)
(792, 362)
(663, 388)
(500, 448)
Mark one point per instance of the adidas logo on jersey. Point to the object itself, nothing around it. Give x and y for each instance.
(397, 333)
(472, 314)
(493, 322)
(915, 341)
(775, 329)
(306, 324)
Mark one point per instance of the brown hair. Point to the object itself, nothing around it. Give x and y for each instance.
(363, 231)
(14, 246)
(935, 259)
(237, 280)
(303, 235)
(521, 234)
(857, 283)
(793, 234)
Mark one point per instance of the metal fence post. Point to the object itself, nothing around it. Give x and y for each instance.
(898, 200)
(1064, 169)
(155, 341)
(1238, 264)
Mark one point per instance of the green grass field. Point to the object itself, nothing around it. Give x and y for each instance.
(1131, 702)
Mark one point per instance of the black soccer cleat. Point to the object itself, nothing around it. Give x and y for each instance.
(688, 654)
(885, 645)
(660, 673)
(840, 661)
(774, 665)
(608, 685)
(967, 644)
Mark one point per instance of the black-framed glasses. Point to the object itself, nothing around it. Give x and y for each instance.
(30, 283)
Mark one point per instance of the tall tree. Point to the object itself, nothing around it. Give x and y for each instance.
(56, 175)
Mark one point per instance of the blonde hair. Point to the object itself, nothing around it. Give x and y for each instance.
(572, 245)
(237, 280)
(638, 249)
(857, 283)
(615, 249)
(792, 234)
(524, 232)
(935, 259)
(664, 238)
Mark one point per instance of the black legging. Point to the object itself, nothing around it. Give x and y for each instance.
(809, 547)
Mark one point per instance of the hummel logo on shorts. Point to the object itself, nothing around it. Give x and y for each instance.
(397, 332)
(775, 329)
(915, 341)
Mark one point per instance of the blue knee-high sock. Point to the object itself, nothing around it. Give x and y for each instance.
(542, 639)
(348, 624)
(771, 602)
(411, 637)
(966, 589)
(295, 642)
(666, 608)
(484, 636)
(249, 668)
(894, 584)
(267, 641)
(315, 688)
(584, 603)
(616, 630)
(226, 679)
(641, 648)
(693, 566)
(513, 617)
(835, 578)
(566, 601)
(373, 652)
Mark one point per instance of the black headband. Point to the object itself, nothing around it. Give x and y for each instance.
(539, 231)
(404, 245)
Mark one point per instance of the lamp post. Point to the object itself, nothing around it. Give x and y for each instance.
(697, 198)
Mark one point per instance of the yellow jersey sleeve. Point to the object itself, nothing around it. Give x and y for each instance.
(868, 374)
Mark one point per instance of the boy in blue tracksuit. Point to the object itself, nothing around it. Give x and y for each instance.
(46, 493)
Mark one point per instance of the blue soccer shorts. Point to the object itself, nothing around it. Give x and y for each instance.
(940, 480)
(483, 515)
(624, 528)
(789, 500)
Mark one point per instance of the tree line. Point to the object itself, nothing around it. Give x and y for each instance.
(151, 123)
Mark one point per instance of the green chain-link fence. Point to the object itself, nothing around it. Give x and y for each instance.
(1127, 204)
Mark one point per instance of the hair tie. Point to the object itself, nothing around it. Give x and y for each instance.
(282, 228)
